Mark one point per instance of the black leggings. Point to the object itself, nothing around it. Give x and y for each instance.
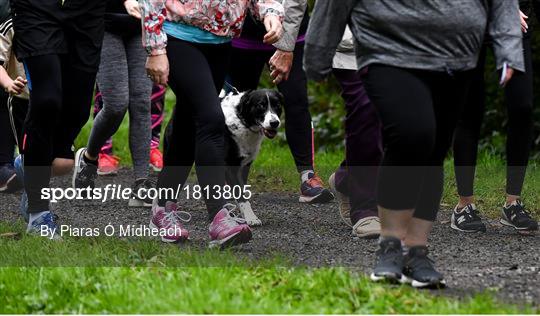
(7, 141)
(419, 111)
(519, 105)
(244, 74)
(197, 73)
(60, 105)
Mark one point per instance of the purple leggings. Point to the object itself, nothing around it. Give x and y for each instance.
(357, 175)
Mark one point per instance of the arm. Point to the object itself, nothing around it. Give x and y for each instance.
(271, 13)
(505, 29)
(153, 15)
(326, 27)
(155, 40)
(281, 61)
(11, 86)
(294, 14)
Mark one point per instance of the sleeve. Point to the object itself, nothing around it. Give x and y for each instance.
(505, 30)
(261, 8)
(294, 14)
(6, 42)
(327, 24)
(154, 14)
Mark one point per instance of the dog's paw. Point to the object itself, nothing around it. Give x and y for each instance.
(254, 222)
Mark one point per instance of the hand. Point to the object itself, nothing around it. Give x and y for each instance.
(523, 19)
(273, 29)
(16, 86)
(509, 74)
(133, 8)
(280, 65)
(157, 68)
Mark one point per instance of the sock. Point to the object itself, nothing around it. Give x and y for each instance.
(304, 175)
(34, 216)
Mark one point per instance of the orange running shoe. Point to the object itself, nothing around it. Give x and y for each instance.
(108, 165)
(156, 159)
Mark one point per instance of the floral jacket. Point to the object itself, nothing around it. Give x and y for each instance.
(219, 17)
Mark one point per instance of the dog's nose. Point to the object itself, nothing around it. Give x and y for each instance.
(274, 124)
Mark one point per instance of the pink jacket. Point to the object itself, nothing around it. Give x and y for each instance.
(220, 17)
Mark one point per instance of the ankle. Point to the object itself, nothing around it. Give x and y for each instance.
(89, 159)
(304, 175)
(511, 199)
(465, 200)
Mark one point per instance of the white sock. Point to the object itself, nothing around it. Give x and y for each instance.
(34, 216)
(304, 175)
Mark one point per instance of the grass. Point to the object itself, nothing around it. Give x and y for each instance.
(220, 290)
(109, 275)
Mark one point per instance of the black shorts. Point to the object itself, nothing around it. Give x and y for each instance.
(75, 28)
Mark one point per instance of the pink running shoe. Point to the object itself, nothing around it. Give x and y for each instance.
(228, 229)
(168, 220)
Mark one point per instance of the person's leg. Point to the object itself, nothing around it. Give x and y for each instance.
(299, 130)
(409, 138)
(114, 86)
(157, 110)
(467, 135)
(449, 97)
(192, 80)
(45, 75)
(107, 148)
(7, 140)
(519, 100)
(363, 143)
(140, 89)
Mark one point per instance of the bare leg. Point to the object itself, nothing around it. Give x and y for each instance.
(418, 232)
(395, 223)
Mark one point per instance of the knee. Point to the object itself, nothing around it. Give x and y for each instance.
(416, 142)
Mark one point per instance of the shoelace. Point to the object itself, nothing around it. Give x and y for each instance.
(471, 213)
(175, 216)
(315, 181)
(233, 218)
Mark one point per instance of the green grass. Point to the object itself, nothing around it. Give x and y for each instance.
(219, 290)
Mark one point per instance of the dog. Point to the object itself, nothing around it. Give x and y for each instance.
(250, 117)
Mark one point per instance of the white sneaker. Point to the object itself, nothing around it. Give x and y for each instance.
(367, 227)
(343, 201)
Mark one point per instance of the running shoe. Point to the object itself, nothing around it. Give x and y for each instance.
(312, 191)
(466, 219)
(44, 226)
(343, 201)
(139, 193)
(84, 174)
(169, 220)
(19, 169)
(419, 270)
(515, 215)
(108, 165)
(228, 229)
(389, 265)
(8, 179)
(367, 227)
(156, 159)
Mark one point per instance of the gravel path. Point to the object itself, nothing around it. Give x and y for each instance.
(314, 236)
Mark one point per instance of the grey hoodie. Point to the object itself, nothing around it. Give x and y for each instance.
(437, 35)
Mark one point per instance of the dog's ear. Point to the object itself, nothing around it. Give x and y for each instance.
(242, 109)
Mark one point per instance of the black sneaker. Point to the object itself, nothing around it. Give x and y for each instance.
(389, 261)
(419, 270)
(140, 191)
(84, 174)
(467, 220)
(515, 215)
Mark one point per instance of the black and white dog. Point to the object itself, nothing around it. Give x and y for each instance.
(249, 116)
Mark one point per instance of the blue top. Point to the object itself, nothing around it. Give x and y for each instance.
(192, 34)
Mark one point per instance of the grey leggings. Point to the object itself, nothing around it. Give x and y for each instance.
(123, 84)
